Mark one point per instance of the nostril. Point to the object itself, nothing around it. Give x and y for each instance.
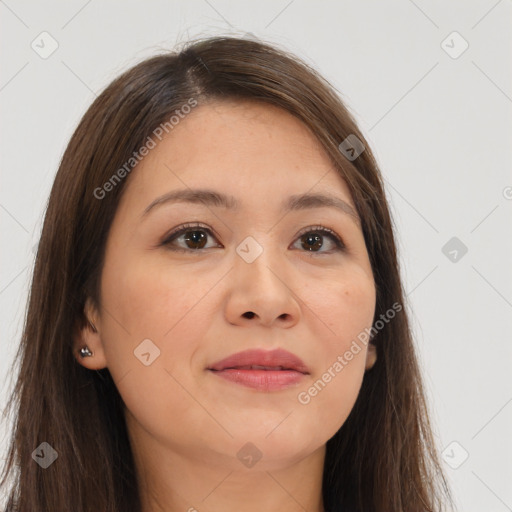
(249, 314)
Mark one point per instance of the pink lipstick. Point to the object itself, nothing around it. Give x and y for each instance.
(262, 370)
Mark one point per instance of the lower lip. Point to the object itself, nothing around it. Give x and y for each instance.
(262, 380)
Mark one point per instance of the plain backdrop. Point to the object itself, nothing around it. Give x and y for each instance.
(430, 84)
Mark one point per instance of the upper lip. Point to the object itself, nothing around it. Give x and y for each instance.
(270, 358)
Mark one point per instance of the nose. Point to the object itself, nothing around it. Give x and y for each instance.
(263, 292)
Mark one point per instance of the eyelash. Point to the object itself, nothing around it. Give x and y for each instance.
(180, 230)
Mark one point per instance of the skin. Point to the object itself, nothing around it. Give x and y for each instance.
(186, 424)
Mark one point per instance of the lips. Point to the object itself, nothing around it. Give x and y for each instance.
(263, 371)
(261, 360)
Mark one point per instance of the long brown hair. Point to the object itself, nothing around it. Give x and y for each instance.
(383, 458)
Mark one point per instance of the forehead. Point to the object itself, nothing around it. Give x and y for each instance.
(250, 150)
(244, 126)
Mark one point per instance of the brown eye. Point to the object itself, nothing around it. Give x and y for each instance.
(313, 241)
(189, 238)
(195, 239)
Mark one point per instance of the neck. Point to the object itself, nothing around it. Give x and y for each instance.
(177, 481)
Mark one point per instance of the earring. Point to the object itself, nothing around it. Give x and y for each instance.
(85, 352)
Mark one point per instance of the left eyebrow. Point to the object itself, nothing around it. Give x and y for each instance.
(318, 200)
(220, 200)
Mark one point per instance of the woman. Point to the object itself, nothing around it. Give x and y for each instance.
(216, 319)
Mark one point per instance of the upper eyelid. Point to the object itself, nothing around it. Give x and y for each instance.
(189, 226)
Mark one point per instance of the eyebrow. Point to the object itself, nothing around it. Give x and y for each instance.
(213, 198)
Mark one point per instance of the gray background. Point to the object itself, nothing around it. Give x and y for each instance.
(438, 120)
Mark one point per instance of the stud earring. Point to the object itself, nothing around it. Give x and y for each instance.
(85, 352)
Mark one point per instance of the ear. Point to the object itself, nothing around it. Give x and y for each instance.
(90, 336)
(371, 356)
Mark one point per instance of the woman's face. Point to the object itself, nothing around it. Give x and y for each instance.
(261, 276)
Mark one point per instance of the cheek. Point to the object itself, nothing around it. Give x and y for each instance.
(165, 306)
(152, 301)
(346, 306)
(158, 303)
(330, 397)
